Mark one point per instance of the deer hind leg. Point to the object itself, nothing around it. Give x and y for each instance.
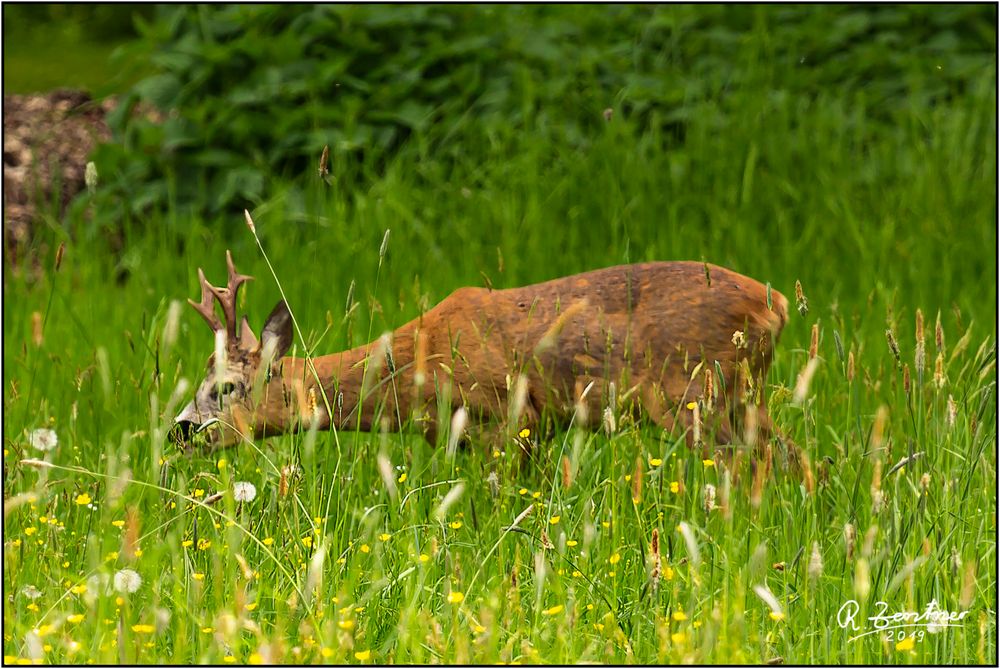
(714, 428)
(766, 430)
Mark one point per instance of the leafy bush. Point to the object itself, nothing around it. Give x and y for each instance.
(252, 93)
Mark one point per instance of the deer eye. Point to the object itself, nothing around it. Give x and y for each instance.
(222, 390)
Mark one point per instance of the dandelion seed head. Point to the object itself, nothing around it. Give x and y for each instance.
(31, 592)
(244, 491)
(43, 439)
(127, 581)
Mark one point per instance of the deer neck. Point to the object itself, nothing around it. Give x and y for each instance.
(357, 385)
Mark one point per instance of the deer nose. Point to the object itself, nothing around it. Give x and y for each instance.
(182, 431)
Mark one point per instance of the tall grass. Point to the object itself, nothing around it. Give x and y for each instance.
(341, 559)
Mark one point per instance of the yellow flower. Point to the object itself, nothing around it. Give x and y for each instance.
(678, 637)
(696, 624)
(119, 601)
(402, 478)
(571, 543)
(75, 618)
(365, 548)
(554, 520)
(496, 454)
(138, 552)
(346, 624)
(32, 607)
(79, 589)
(222, 464)
(43, 520)
(455, 597)
(524, 433)
(229, 659)
(28, 531)
(776, 615)
(655, 462)
(186, 543)
(455, 524)
(679, 616)
(424, 558)
(675, 487)
(143, 629)
(668, 573)
(256, 659)
(268, 541)
(198, 492)
(708, 463)
(577, 574)
(15, 543)
(615, 559)
(906, 644)
(558, 608)
(384, 536)
(204, 544)
(522, 491)
(198, 576)
(83, 499)
(478, 629)
(251, 606)
(536, 495)
(207, 630)
(326, 652)
(307, 541)
(628, 477)
(363, 655)
(691, 406)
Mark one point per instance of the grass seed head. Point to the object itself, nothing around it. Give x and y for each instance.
(637, 481)
(567, 473)
(952, 411)
(939, 378)
(801, 303)
(906, 379)
(938, 335)
(814, 341)
(850, 366)
(37, 331)
(709, 387)
(850, 535)
(59, 255)
(803, 381)
(324, 159)
(893, 345)
(708, 495)
(815, 568)
(862, 579)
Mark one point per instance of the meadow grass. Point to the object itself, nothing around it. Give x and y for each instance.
(337, 559)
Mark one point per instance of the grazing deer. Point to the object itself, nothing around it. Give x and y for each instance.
(685, 343)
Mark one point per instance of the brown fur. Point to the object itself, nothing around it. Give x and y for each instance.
(643, 327)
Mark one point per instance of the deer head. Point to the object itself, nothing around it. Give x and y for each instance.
(234, 400)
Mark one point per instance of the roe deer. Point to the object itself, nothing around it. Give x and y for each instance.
(661, 333)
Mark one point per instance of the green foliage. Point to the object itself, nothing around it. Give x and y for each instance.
(865, 172)
(253, 93)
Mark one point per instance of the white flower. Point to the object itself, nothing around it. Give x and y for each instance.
(127, 580)
(31, 592)
(43, 439)
(244, 491)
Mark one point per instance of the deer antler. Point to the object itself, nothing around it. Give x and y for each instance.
(226, 297)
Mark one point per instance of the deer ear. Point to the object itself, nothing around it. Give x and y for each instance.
(277, 332)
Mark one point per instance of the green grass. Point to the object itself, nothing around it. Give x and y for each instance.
(875, 222)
